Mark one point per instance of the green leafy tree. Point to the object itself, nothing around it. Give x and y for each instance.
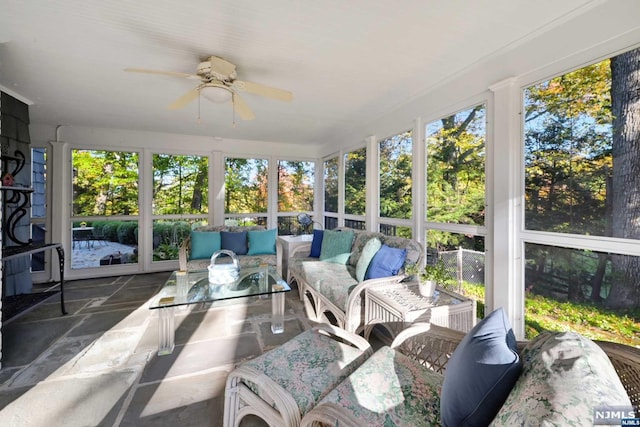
(456, 174)
(355, 178)
(105, 183)
(395, 176)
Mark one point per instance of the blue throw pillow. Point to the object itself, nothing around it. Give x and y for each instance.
(262, 242)
(204, 244)
(336, 246)
(316, 243)
(234, 241)
(387, 262)
(481, 373)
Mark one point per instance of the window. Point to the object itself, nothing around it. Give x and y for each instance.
(180, 194)
(331, 185)
(355, 177)
(395, 176)
(246, 190)
(295, 193)
(104, 222)
(180, 184)
(581, 157)
(456, 168)
(455, 196)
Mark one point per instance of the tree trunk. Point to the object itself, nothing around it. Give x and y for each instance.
(625, 107)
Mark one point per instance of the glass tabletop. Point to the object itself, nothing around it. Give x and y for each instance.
(184, 288)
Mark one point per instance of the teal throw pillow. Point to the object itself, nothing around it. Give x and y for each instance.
(387, 262)
(370, 249)
(234, 241)
(480, 373)
(262, 242)
(336, 246)
(204, 244)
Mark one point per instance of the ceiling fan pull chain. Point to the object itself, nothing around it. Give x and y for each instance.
(233, 109)
(199, 121)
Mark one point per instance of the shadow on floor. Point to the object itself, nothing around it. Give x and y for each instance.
(98, 365)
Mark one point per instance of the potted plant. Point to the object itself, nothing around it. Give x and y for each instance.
(430, 276)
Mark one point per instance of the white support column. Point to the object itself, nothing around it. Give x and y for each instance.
(504, 274)
(216, 195)
(61, 173)
(418, 175)
(372, 185)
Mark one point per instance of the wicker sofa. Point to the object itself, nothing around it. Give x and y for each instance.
(554, 387)
(187, 263)
(331, 291)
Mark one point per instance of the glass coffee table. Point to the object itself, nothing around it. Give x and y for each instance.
(184, 288)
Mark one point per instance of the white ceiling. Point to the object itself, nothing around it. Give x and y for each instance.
(347, 62)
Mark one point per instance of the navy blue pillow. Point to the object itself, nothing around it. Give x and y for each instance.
(234, 241)
(480, 374)
(316, 243)
(386, 263)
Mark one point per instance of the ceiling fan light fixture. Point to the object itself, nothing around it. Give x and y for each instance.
(216, 94)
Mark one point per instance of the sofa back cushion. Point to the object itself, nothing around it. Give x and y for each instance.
(387, 262)
(204, 244)
(360, 239)
(368, 252)
(566, 377)
(316, 243)
(262, 242)
(336, 246)
(234, 241)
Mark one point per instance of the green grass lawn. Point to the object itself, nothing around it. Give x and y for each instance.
(542, 313)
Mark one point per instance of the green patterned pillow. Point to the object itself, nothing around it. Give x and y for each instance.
(336, 246)
(370, 249)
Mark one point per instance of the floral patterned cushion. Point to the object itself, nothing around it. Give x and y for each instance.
(244, 260)
(307, 367)
(334, 281)
(389, 389)
(565, 377)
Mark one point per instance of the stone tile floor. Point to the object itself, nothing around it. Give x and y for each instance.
(98, 365)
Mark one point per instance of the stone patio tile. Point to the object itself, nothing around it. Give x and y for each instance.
(190, 400)
(51, 310)
(52, 360)
(292, 328)
(202, 355)
(81, 401)
(23, 342)
(86, 293)
(100, 322)
(128, 294)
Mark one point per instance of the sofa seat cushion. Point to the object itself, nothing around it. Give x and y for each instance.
(389, 389)
(333, 281)
(565, 378)
(244, 260)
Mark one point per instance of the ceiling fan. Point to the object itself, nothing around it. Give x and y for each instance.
(218, 83)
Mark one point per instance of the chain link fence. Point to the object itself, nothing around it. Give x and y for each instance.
(464, 265)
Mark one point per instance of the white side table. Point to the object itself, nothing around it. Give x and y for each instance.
(289, 243)
(395, 307)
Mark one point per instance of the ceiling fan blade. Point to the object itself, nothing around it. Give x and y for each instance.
(242, 108)
(262, 90)
(221, 66)
(164, 73)
(185, 99)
